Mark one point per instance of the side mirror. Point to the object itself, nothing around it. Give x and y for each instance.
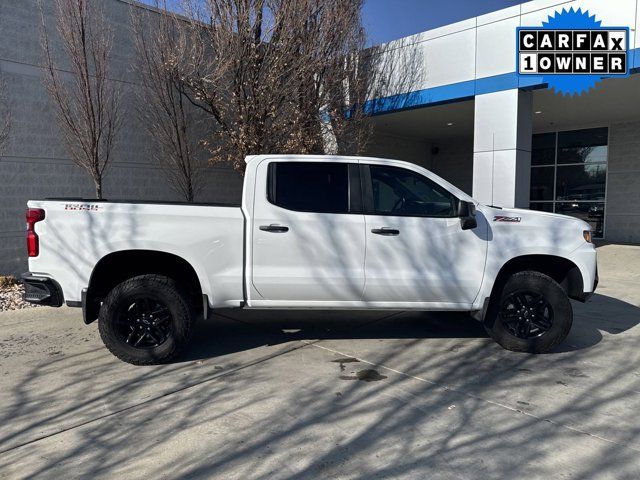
(467, 214)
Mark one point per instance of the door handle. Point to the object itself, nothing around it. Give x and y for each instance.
(274, 228)
(389, 232)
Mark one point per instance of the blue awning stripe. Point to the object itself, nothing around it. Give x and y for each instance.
(456, 92)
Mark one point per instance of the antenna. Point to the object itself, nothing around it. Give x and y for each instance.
(493, 162)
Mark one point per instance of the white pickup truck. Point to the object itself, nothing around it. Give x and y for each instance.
(312, 232)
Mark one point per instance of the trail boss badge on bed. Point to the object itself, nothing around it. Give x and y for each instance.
(572, 51)
(82, 207)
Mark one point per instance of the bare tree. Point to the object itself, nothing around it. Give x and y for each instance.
(281, 76)
(165, 112)
(87, 104)
(6, 115)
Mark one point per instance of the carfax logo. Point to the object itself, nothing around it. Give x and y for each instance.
(572, 51)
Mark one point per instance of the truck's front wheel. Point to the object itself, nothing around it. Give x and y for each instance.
(532, 314)
(145, 320)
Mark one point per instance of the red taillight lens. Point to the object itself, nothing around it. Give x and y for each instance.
(34, 215)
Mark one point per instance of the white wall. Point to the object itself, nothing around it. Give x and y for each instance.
(485, 46)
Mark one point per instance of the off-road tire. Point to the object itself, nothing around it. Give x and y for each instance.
(552, 292)
(162, 289)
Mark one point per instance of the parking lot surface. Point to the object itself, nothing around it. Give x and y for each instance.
(294, 395)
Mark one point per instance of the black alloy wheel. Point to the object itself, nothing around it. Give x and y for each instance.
(145, 323)
(530, 312)
(526, 315)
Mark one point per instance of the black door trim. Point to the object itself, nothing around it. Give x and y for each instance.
(367, 190)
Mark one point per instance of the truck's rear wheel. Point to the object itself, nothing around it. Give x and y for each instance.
(531, 314)
(145, 320)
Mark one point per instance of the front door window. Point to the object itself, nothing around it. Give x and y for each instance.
(402, 192)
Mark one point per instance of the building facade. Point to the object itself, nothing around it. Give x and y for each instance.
(466, 116)
(34, 164)
(513, 141)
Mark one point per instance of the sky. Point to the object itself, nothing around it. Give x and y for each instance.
(387, 20)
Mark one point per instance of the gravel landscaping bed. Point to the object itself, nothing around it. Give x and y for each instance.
(11, 298)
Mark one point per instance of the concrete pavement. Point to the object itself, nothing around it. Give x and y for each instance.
(329, 395)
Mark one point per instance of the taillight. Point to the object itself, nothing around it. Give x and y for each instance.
(34, 215)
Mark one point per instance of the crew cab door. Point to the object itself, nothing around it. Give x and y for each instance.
(308, 233)
(417, 251)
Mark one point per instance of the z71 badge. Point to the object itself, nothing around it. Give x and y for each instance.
(500, 218)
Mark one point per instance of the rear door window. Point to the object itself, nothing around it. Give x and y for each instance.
(309, 186)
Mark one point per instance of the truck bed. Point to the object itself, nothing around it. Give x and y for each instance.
(141, 202)
(77, 234)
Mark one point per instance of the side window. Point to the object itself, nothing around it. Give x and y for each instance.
(398, 191)
(309, 186)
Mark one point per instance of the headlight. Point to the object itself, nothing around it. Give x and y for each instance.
(587, 236)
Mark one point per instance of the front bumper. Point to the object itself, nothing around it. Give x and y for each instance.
(42, 290)
(595, 285)
(587, 295)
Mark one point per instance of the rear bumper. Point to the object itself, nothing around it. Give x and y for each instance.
(42, 290)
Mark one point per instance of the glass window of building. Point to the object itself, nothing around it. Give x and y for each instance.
(569, 174)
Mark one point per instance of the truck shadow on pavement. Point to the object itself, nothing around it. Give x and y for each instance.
(439, 395)
(229, 331)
